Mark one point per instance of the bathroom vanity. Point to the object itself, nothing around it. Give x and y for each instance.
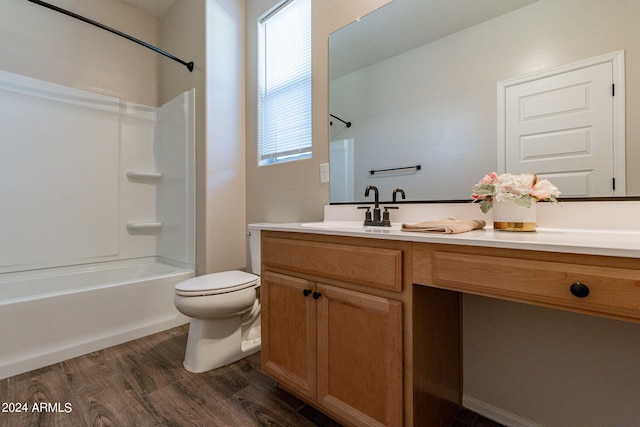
(365, 324)
(332, 316)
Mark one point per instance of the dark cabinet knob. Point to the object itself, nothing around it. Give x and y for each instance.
(316, 295)
(306, 292)
(579, 290)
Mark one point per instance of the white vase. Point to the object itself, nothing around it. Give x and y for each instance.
(509, 216)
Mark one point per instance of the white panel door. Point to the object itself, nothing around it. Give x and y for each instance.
(561, 127)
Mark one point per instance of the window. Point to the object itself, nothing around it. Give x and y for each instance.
(284, 83)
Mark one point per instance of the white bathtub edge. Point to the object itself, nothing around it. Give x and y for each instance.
(48, 329)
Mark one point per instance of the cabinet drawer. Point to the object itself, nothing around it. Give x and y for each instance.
(365, 265)
(611, 291)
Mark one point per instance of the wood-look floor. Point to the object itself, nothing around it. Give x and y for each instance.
(143, 383)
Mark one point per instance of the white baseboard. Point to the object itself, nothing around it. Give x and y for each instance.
(496, 414)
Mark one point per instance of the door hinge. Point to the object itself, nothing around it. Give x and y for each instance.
(613, 89)
(613, 183)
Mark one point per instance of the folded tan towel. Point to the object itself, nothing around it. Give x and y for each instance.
(446, 226)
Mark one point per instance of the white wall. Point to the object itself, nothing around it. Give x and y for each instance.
(211, 34)
(292, 191)
(47, 45)
(226, 187)
(436, 105)
(549, 367)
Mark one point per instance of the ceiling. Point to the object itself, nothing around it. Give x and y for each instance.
(156, 8)
(403, 25)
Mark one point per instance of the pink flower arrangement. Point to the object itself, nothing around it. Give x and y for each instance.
(522, 189)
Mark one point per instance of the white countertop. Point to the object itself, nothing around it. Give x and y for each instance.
(593, 242)
(597, 228)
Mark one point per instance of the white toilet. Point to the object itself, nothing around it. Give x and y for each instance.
(225, 314)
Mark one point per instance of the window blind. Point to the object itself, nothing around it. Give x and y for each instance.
(284, 99)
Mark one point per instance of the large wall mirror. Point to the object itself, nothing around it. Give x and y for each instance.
(419, 82)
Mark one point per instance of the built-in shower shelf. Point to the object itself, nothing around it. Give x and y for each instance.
(143, 227)
(147, 177)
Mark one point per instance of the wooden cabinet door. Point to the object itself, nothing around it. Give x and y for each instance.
(289, 331)
(360, 356)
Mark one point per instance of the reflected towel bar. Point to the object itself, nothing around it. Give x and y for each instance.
(189, 65)
(375, 171)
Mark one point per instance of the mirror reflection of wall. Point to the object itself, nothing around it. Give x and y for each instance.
(341, 173)
(436, 104)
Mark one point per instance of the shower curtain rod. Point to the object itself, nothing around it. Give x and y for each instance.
(189, 65)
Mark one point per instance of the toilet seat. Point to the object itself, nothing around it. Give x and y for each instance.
(217, 283)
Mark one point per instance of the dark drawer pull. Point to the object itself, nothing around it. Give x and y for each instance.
(579, 290)
(316, 295)
(306, 292)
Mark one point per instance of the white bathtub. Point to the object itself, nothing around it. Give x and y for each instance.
(50, 315)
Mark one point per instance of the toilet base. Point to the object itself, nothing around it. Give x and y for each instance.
(213, 343)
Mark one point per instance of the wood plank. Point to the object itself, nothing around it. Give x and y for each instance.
(371, 266)
(98, 387)
(534, 278)
(437, 355)
(289, 331)
(360, 336)
(46, 386)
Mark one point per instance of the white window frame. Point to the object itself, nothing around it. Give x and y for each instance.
(284, 92)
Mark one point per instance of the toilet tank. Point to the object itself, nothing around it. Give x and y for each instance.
(254, 247)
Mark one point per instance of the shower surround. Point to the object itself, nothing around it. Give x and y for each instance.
(90, 184)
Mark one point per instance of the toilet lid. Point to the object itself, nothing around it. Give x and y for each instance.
(216, 283)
